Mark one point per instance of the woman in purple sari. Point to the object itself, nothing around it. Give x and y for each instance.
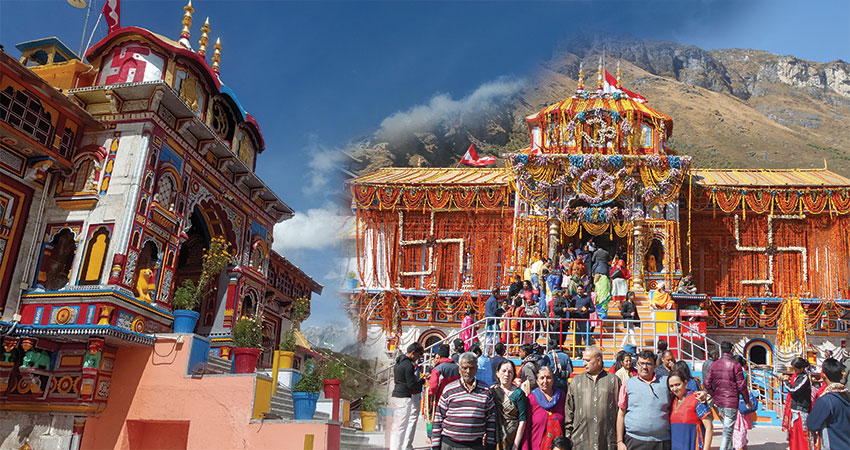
(545, 411)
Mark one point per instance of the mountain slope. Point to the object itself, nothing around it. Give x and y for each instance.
(730, 108)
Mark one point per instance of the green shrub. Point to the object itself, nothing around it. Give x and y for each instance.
(288, 342)
(374, 400)
(334, 370)
(248, 333)
(310, 382)
(300, 310)
(186, 296)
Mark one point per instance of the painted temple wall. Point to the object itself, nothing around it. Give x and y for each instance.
(25, 251)
(42, 430)
(115, 207)
(210, 412)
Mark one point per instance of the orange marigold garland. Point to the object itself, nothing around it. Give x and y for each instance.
(791, 326)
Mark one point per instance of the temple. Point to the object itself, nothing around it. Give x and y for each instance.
(118, 172)
(767, 248)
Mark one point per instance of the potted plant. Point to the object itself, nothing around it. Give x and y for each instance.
(287, 349)
(187, 297)
(247, 344)
(351, 281)
(333, 371)
(305, 393)
(369, 410)
(184, 302)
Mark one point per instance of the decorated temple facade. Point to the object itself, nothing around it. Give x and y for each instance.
(116, 175)
(431, 243)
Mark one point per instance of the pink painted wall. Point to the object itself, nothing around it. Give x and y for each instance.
(150, 393)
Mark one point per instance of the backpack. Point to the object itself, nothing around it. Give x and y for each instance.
(558, 368)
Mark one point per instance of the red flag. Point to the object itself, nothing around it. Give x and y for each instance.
(112, 12)
(471, 158)
(611, 85)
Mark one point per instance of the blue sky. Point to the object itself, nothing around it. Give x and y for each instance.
(318, 74)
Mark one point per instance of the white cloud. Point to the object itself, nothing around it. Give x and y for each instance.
(315, 229)
(322, 164)
(443, 108)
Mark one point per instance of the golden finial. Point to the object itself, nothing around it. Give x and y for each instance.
(619, 75)
(581, 76)
(601, 77)
(187, 22)
(216, 54)
(202, 43)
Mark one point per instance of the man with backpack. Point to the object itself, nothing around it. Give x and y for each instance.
(560, 364)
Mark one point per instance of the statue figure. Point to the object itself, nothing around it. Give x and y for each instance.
(651, 264)
(92, 358)
(145, 285)
(36, 358)
(189, 92)
(9, 344)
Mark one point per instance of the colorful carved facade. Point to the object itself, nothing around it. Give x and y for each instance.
(430, 243)
(112, 190)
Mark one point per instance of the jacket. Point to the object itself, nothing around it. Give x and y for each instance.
(831, 414)
(801, 393)
(600, 262)
(406, 381)
(490, 308)
(442, 374)
(629, 311)
(725, 382)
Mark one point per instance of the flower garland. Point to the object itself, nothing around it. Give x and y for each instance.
(791, 327)
(600, 178)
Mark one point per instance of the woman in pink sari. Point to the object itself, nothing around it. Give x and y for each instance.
(467, 333)
(545, 411)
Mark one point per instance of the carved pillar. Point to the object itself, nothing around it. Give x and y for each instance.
(554, 237)
(638, 230)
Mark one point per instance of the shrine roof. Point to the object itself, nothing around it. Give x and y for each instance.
(433, 176)
(780, 178)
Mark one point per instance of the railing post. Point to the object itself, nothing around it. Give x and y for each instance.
(275, 367)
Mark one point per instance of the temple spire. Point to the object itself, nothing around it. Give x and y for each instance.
(204, 41)
(187, 23)
(216, 55)
(580, 76)
(619, 75)
(600, 79)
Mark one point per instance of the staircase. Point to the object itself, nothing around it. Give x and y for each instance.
(352, 439)
(608, 336)
(217, 366)
(281, 403)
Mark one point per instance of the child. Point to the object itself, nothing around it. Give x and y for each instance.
(561, 443)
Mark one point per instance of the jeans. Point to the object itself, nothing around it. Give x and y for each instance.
(727, 415)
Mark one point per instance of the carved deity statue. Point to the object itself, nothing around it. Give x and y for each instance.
(145, 285)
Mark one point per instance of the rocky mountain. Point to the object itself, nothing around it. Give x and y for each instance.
(334, 336)
(730, 108)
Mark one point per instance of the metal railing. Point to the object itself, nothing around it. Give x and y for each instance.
(768, 386)
(573, 335)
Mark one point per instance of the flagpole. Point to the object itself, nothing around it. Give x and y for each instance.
(85, 28)
(92, 33)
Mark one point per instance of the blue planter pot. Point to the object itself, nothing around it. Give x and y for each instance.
(304, 404)
(352, 283)
(185, 321)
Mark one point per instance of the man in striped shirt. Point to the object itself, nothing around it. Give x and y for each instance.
(465, 417)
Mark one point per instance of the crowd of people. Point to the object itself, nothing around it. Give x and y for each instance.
(568, 294)
(643, 401)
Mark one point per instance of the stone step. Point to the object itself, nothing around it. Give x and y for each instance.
(354, 440)
(217, 365)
